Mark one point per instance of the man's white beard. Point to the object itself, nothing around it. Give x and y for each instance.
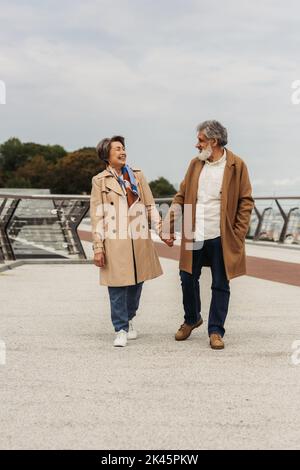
(205, 154)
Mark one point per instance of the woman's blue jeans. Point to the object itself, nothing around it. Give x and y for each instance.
(124, 302)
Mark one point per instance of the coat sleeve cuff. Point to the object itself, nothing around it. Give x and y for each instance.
(98, 249)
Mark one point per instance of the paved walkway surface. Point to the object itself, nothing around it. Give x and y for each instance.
(64, 386)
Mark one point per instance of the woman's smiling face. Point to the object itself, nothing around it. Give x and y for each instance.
(117, 154)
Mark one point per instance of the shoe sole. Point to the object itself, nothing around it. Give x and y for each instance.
(217, 347)
(183, 339)
(135, 336)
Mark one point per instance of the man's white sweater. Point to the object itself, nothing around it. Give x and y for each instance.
(209, 199)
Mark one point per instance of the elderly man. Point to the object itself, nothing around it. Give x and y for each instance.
(216, 202)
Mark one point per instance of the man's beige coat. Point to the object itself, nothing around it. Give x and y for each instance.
(236, 207)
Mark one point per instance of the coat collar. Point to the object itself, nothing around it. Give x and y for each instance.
(230, 162)
(112, 183)
(105, 172)
(230, 158)
(228, 172)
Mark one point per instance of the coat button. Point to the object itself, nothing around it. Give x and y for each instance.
(112, 203)
(113, 217)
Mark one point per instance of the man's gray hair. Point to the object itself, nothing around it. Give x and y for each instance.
(214, 130)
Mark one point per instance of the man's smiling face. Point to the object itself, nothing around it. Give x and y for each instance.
(204, 146)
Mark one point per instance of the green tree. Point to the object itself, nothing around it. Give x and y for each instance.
(161, 187)
(51, 153)
(1, 178)
(38, 171)
(31, 165)
(73, 173)
(14, 153)
(11, 154)
(17, 182)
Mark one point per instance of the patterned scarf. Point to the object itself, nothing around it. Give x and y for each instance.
(128, 183)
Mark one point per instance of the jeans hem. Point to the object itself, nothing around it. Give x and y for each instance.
(216, 331)
(194, 322)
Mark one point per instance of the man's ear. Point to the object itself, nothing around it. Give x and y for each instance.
(214, 142)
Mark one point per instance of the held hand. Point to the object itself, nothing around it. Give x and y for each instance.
(169, 242)
(99, 260)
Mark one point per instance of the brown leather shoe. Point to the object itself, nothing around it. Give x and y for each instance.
(216, 341)
(185, 330)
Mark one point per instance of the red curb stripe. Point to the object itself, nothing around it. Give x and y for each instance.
(261, 268)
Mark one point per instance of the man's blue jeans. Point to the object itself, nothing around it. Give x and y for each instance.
(124, 302)
(211, 251)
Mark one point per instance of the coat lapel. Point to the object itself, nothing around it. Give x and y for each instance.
(195, 180)
(228, 172)
(194, 190)
(111, 183)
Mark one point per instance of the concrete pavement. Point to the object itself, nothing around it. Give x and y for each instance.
(65, 387)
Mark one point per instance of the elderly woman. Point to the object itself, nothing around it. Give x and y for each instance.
(122, 206)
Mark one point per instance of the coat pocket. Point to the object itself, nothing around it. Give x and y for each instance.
(237, 239)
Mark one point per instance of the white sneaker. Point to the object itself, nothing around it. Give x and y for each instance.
(132, 333)
(121, 338)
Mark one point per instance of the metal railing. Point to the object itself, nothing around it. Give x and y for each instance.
(46, 226)
(41, 226)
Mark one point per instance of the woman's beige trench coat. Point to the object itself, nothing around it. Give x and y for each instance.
(122, 233)
(236, 207)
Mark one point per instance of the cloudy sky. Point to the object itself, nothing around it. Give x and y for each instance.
(77, 71)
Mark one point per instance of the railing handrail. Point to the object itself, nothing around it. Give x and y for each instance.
(70, 209)
(44, 196)
(87, 197)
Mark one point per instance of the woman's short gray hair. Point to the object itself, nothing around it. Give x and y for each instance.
(103, 148)
(214, 130)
